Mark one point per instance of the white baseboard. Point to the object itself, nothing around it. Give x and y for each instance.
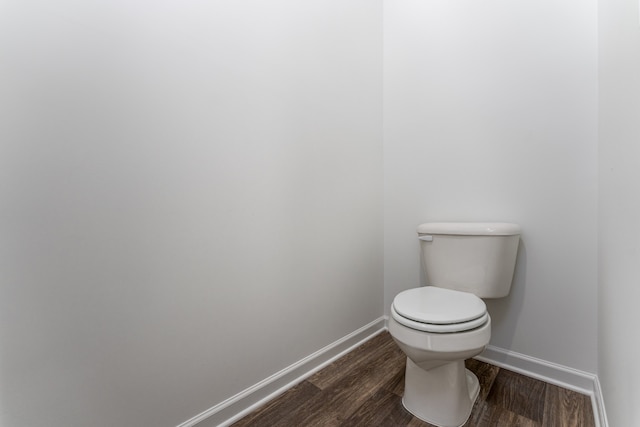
(236, 407)
(229, 411)
(598, 405)
(562, 376)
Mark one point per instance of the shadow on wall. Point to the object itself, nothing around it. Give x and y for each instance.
(505, 312)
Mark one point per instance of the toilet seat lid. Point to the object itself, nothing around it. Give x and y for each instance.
(438, 306)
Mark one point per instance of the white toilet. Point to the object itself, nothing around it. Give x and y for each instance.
(440, 325)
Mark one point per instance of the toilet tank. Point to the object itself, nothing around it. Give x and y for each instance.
(471, 257)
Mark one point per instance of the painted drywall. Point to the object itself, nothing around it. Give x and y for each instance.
(490, 113)
(191, 200)
(619, 209)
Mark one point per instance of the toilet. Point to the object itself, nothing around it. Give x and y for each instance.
(440, 325)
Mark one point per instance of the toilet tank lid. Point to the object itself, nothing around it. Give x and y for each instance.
(470, 228)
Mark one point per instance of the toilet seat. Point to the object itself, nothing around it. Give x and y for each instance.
(440, 329)
(439, 310)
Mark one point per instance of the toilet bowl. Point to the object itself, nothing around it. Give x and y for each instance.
(440, 325)
(438, 388)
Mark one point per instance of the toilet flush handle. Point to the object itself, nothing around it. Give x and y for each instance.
(426, 238)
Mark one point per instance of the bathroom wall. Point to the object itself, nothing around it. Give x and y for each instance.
(191, 200)
(619, 197)
(490, 114)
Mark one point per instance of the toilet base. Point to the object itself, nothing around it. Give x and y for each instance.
(443, 396)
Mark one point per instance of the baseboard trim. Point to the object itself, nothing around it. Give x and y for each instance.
(598, 405)
(236, 407)
(562, 376)
(553, 373)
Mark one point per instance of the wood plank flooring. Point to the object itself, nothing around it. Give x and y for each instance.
(365, 387)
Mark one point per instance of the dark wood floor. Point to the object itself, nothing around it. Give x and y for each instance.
(364, 388)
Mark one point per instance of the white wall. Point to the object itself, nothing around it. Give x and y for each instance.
(180, 179)
(191, 200)
(619, 230)
(490, 113)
